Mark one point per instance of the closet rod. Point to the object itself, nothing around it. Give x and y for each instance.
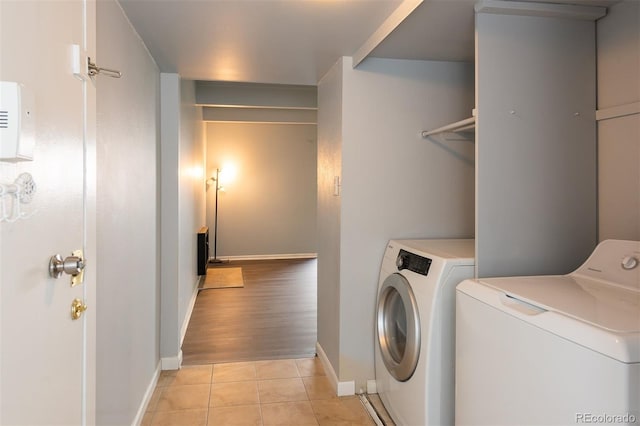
(458, 126)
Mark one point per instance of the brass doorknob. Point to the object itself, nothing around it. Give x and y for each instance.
(77, 308)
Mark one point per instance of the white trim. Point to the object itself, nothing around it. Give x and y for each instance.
(268, 257)
(260, 115)
(618, 111)
(187, 317)
(391, 23)
(306, 123)
(147, 397)
(340, 388)
(372, 387)
(299, 108)
(346, 388)
(545, 10)
(372, 412)
(172, 363)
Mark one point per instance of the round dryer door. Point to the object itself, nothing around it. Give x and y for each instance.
(398, 327)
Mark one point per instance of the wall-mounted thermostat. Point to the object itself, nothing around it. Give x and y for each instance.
(17, 117)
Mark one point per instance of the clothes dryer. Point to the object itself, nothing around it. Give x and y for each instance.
(552, 350)
(414, 353)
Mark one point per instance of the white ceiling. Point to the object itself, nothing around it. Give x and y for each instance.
(263, 41)
(297, 41)
(437, 30)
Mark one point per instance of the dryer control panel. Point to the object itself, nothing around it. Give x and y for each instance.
(413, 262)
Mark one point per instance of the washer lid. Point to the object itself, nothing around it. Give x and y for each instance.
(611, 308)
(615, 311)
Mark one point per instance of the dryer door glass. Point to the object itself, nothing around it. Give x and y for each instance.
(395, 325)
(398, 327)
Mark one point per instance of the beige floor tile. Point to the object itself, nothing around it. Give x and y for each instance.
(333, 412)
(318, 387)
(310, 367)
(166, 377)
(193, 375)
(184, 398)
(234, 372)
(233, 393)
(281, 390)
(238, 415)
(297, 413)
(276, 369)
(180, 418)
(355, 407)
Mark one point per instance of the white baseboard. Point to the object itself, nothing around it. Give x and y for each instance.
(172, 363)
(268, 257)
(147, 397)
(187, 317)
(340, 388)
(371, 386)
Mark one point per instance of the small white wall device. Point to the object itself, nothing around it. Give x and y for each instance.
(17, 118)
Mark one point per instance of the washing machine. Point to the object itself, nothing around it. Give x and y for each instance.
(414, 351)
(552, 350)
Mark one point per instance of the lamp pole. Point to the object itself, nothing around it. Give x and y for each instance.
(215, 226)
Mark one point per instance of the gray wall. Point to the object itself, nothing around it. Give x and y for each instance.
(619, 137)
(169, 219)
(127, 280)
(536, 144)
(329, 166)
(394, 185)
(269, 209)
(181, 208)
(191, 215)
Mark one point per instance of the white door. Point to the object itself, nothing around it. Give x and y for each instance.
(47, 359)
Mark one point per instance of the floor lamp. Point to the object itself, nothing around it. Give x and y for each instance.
(215, 259)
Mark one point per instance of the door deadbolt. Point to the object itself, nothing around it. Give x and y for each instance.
(77, 308)
(72, 265)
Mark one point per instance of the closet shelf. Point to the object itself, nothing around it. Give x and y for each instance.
(459, 126)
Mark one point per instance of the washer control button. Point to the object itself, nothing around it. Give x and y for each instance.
(402, 261)
(629, 262)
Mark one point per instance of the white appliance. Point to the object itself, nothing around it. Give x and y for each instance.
(552, 350)
(414, 354)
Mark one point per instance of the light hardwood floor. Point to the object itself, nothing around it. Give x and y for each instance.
(274, 316)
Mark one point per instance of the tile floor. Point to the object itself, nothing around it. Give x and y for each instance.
(279, 392)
